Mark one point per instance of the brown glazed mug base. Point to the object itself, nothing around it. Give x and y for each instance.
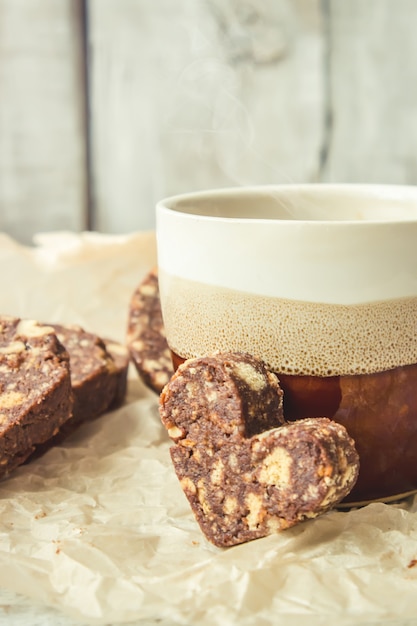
(379, 412)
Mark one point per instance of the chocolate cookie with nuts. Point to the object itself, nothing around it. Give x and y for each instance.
(98, 380)
(94, 375)
(146, 335)
(245, 472)
(121, 358)
(35, 388)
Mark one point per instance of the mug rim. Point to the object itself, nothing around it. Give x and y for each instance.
(395, 192)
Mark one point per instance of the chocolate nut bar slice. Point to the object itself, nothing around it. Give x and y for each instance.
(216, 398)
(35, 388)
(121, 359)
(245, 473)
(98, 379)
(146, 335)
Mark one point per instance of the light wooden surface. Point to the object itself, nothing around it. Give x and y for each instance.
(42, 165)
(191, 95)
(194, 95)
(373, 92)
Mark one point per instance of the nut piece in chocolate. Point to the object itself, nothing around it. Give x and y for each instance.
(245, 473)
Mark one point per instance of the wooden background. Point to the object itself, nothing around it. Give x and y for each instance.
(108, 105)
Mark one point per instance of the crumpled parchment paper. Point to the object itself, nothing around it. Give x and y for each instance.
(100, 529)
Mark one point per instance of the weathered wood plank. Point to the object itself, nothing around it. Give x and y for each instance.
(373, 92)
(42, 159)
(196, 94)
(190, 95)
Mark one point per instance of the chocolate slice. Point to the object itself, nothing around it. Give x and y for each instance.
(98, 379)
(121, 358)
(244, 472)
(35, 389)
(146, 336)
(93, 372)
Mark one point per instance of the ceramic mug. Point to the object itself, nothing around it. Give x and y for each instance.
(320, 281)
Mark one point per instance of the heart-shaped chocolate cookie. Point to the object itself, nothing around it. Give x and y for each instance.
(244, 471)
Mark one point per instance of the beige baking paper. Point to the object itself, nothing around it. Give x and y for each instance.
(100, 529)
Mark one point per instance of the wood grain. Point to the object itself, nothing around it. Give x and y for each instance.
(196, 95)
(42, 170)
(373, 92)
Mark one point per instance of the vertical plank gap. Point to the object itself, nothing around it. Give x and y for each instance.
(86, 95)
(325, 6)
